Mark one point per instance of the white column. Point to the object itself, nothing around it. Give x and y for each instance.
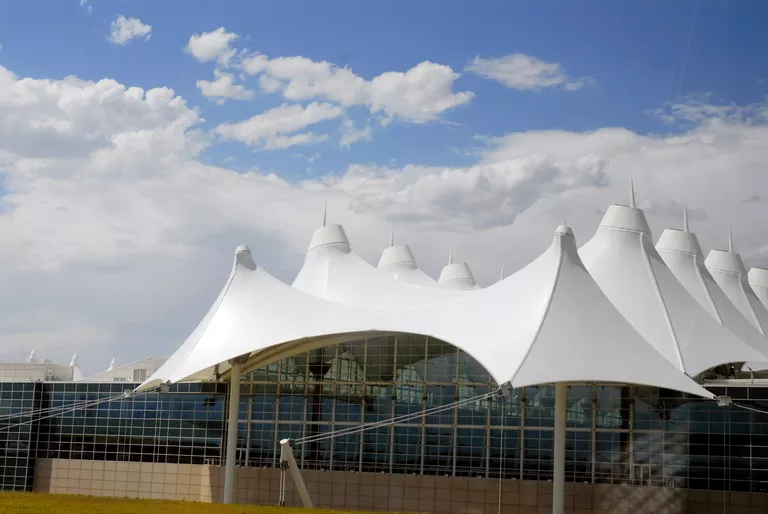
(558, 479)
(230, 480)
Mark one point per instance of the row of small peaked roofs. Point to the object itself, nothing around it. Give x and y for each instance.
(617, 309)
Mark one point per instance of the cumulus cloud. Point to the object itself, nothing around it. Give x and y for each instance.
(223, 87)
(523, 72)
(116, 237)
(418, 95)
(123, 30)
(212, 46)
(274, 127)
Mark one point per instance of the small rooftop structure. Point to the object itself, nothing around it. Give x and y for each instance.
(398, 262)
(457, 275)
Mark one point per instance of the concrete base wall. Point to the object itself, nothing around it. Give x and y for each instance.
(380, 492)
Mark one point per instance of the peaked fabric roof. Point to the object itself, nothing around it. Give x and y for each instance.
(622, 260)
(682, 254)
(547, 323)
(729, 272)
(398, 262)
(334, 272)
(758, 280)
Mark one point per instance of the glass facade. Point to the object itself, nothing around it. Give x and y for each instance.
(615, 433)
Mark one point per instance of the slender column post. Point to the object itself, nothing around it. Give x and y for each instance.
(230, 480)
(558, 479)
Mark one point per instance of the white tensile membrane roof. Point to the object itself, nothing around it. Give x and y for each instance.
(398, 262)
(682, 254)
(758, 281)
(623, 261)
(547, 323)
(729, 272)
(332, 271)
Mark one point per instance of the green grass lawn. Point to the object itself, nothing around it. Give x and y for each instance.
(42, 503)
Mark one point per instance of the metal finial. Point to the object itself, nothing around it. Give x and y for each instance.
(730, 240)
(632, 193)
(392, 236)
(685, 218)
(502, 270)
(325, 213)
(450, 254)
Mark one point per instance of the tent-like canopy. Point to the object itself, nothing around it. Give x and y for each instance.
(623, 261)
(682, 254)
(729, 272)
(334, 272)
(547, 323)
(758, 280)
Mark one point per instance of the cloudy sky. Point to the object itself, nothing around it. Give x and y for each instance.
(142, 141)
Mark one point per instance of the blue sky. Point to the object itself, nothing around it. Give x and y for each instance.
(641, 55)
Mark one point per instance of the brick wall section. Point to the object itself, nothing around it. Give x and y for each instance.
(380, 492)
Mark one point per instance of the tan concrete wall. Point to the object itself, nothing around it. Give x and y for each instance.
(380, 492)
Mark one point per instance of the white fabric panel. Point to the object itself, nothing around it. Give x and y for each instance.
(682, 254)
(729, 272)
(622, 260)
(758, 281)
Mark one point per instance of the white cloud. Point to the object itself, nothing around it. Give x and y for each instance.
(123, 30)
(223, 87)
(419, 95)
(523, 72)
(212, 46)
(85, 5)
(351, 134)
(116, 238)
(274, 128)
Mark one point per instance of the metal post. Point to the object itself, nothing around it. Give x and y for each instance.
(230, 480)
(558, 479)
(287, 459)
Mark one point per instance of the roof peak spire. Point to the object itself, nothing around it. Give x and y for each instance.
(730, 240)
(450, 254)
(392, 236)
(325, 213)
(502, 270)
(685, 218)
(632, 193)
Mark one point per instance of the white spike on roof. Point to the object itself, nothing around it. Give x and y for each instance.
(622, 260)
(398, 262)
(758, 280)
(549, 322)
(457, 276)
(334, 272)
(729, 272)
(111, 364)
(682, 254)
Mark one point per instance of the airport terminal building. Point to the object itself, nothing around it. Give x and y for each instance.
(390, 416)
